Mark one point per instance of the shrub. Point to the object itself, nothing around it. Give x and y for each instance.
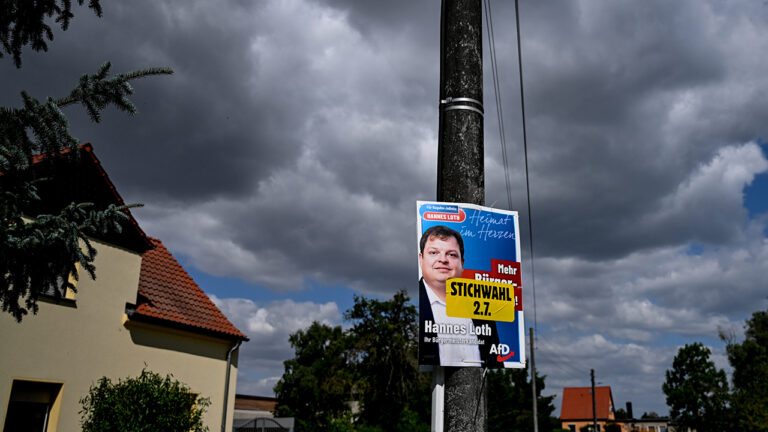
(146, 403)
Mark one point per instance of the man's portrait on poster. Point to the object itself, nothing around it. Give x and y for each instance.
(445, 340)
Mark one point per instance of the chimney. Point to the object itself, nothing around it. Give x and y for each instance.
(629, 410)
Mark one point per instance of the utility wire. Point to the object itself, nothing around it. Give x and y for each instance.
(502, 135)
(527, 173)
(497, 93)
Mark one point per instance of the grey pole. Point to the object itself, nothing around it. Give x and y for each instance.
(460, 176)
(533, 384)
(594, 396)
(226, 385)
(438, 399)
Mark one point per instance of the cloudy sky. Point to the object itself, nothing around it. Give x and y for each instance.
(282, 161)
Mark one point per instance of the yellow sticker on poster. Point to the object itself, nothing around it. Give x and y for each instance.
(470, 298)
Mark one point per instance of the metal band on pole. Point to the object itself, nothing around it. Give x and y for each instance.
(463, 107)
(460, 99)
(447, 105)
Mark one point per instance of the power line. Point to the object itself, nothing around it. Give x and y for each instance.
(502, 134)
(497, 93)
(527, 173)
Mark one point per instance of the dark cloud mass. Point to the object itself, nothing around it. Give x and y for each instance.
(290, 146)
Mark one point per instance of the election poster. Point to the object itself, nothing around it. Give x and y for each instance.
(470, 290)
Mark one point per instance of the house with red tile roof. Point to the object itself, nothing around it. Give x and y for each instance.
(256, 413)
(143, 310)
(576, 410)
(168, 296)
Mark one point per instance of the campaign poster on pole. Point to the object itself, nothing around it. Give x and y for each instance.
(470, 290)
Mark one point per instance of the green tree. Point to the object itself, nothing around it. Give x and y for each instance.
(510, 402)
(146, 403)
(749, 359)
(372, 365)
(696, 390)
(316, 387)
(621, 414)
(393, 394)
(38, 251)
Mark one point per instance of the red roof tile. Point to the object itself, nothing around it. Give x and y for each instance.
(168, 293)
(577, 403)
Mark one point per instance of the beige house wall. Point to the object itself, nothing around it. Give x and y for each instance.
(75, 346)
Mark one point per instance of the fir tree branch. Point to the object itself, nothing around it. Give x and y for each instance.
(22, 22)
(48, 125)
(40, 253)
(97, 91)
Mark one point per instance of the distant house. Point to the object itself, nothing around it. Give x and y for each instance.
(576, 410)
(646, 423)
(247, 406)
(658, 424)
(143, 310)
(257, 413)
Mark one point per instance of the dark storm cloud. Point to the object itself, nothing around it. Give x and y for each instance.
(607, 59)
(605, 83)
(200, 132)
(370, 17)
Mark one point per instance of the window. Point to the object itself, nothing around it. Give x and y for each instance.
(33, 406)
(58, 293)
(572, 427)
(55, 289)
(662, 429)
(651, 428)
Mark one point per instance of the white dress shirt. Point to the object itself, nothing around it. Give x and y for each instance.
(464, 351)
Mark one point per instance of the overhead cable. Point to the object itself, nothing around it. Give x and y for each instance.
(502, 134)
(497, 93)
(527, 172)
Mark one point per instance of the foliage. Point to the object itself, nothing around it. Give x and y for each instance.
(373, 363)
(385, 362)
(38, 251)
(696, 391)
(621, 414)
(510, 402)
(146, 403)
(317, 383)
(23, 23)
(749, 359)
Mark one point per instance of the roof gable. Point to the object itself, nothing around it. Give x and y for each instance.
(577, 403)
(167, 295)
(81, 178)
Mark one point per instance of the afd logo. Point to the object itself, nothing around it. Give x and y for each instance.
(502, 352)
